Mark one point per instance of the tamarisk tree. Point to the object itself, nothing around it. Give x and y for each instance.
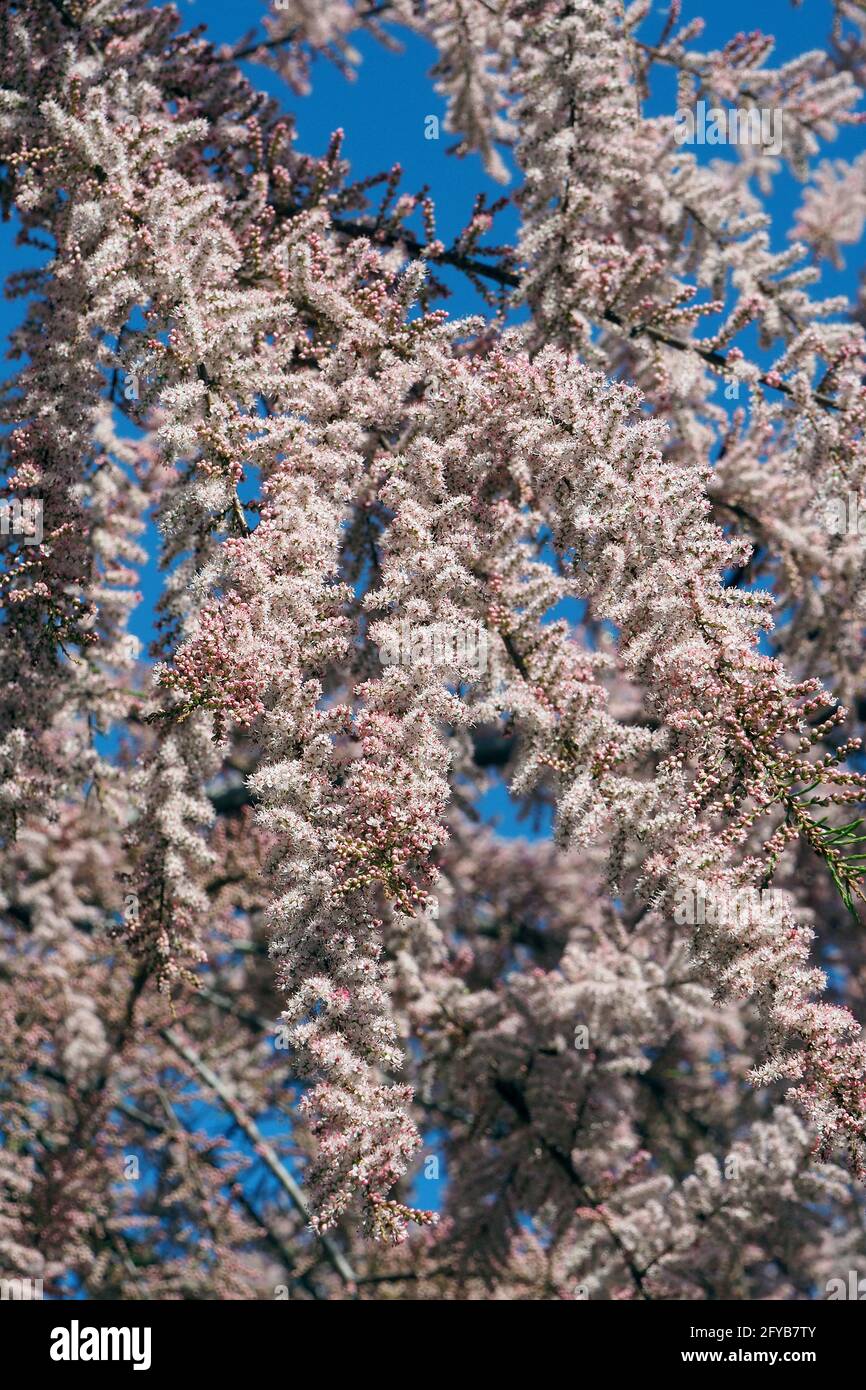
(283, 1015)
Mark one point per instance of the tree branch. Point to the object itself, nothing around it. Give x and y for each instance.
(267, 1154)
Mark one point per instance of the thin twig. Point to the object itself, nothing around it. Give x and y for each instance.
(267, 1154)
